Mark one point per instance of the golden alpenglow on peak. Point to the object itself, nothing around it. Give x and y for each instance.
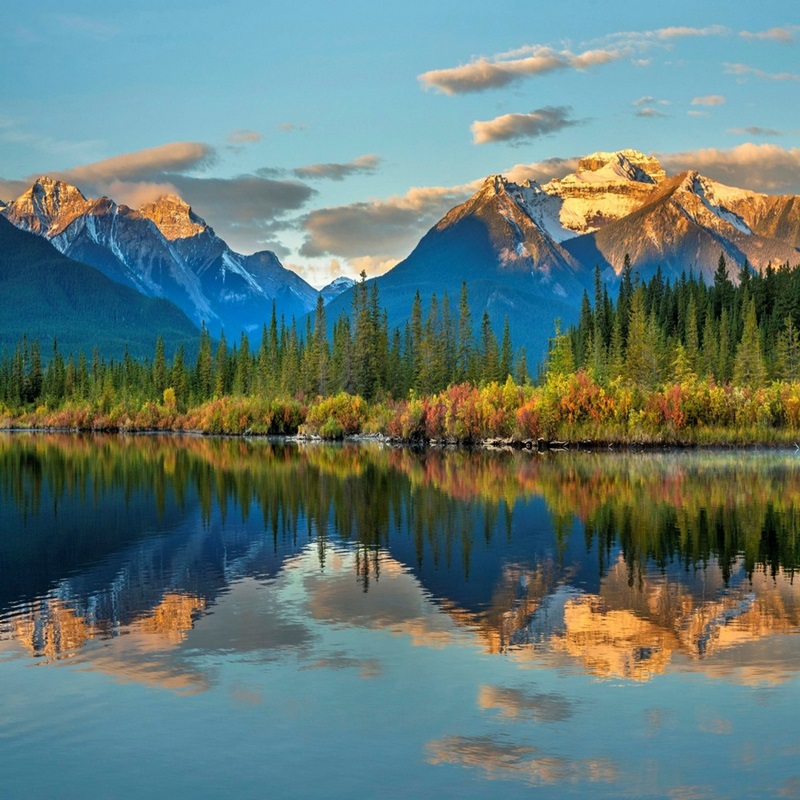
(174, 217)
(635, 158)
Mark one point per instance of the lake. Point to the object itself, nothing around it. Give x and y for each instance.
(195, 617)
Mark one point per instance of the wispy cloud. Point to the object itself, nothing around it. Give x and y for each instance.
(644, 101)
(755, 130)
(744, 70)
(501, 70)
(650, 112)
(363, 165)
(785, 34)
(637, 41)
(761, 167)
(680, 31)
(517, 127)
(708, 100)
(143, 164)
(291, 127)
(87, 26)
(243, 136)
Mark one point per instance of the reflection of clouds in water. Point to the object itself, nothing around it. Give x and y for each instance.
(709, 722)
(395, 602)
(499, 759)
(246, 697)
(790, 788)
(514, 703)
(692, 793)
(657, 719)
(254, 619)
(368, 667)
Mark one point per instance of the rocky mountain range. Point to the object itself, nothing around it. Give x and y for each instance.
(527, 251)
(163, 250)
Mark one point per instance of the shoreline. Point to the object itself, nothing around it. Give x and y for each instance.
(492, 443)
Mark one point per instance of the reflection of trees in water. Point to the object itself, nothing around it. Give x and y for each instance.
(684, 508)
(721, 516)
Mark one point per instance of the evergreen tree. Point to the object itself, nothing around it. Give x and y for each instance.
(159, 368)
(749, 368)
(465, 347)
(788, 352)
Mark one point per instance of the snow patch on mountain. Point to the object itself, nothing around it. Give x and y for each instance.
(712, 200)
(604, 188)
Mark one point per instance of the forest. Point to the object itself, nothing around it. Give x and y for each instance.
(681, 363)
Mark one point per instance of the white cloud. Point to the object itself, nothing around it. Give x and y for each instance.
(500, 70)
(380, 229)
(784, 35)
(515, 127)
(708, 100)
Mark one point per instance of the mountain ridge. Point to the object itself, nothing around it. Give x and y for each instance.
(163, 249)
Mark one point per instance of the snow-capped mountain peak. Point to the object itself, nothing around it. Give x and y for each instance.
(604, 188)
(627, 164)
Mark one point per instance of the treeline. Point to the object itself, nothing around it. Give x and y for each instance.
(747, 333)
(359, 356)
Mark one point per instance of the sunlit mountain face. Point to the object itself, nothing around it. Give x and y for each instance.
(497, 603)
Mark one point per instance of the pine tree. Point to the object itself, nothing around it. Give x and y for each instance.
(506, 354)
(159, 369)
(788, 352)
(180, 379)
(221, 367)
(641, 366)
(490, 354)
(560, 361)
(749, 369)
(242, 379)
(465, 345)
(204, 367)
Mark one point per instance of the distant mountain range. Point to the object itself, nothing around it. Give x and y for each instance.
(527, 251)
(164, 250)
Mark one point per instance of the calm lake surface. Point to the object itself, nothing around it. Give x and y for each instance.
(185, 617)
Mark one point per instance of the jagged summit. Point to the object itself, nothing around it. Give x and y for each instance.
(628, 163)
(604, 188)
(174, 217)
(47, 206)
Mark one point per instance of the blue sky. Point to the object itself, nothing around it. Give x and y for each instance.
(336, 134)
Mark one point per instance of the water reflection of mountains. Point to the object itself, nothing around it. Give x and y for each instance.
(614, 562)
